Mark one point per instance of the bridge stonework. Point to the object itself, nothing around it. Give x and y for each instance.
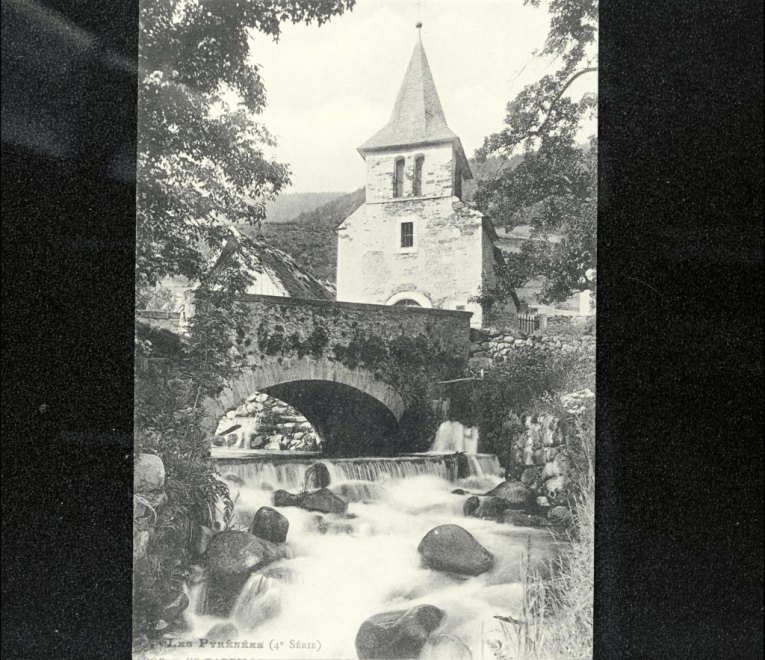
(293, 350)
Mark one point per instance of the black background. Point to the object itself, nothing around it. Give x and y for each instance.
(679, 476)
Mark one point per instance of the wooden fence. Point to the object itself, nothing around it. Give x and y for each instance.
(529, 324)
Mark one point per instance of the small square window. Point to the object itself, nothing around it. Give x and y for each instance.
(407, 234)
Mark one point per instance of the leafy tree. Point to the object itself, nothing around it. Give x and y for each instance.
(202, 165)
(554, 187)
(202, 159)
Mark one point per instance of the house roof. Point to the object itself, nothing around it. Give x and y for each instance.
(417, 116)
(280, 267)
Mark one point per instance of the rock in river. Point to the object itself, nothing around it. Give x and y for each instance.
(235, 553)
(488, 508)
(270, 525)
(453, 549)
(284, 498)
(400, 634)
(515, 493)
(317, 476)
(323, 500)
(222, 632)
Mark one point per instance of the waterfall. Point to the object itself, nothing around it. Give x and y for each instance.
(262, 472)
(259, 600)
(455, 436)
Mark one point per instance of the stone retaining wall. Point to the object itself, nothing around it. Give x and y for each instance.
(492, 345)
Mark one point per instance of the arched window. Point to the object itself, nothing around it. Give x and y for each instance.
(409, 299)
(417, 186)
(398, 178)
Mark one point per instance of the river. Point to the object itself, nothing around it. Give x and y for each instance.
(345, 569)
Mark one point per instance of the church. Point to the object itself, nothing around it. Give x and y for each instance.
(414, 242)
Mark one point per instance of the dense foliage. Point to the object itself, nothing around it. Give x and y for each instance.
(519, 386)
(202, 158)
(554, 187)
(310, 237)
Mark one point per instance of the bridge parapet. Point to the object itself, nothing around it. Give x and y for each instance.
(302, 318)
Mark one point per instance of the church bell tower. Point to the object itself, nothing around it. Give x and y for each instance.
(414, 242)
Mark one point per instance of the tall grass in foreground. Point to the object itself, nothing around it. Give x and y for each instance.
(555, 618)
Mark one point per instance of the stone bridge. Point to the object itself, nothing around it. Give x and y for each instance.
(348, 367)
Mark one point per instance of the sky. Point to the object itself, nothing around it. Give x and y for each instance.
(330, 88)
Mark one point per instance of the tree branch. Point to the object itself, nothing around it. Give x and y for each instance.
(558, 97)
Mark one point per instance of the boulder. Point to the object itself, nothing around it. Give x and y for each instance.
(257, 441)
(555, 489)
(471, 505)
(452, 548)
(172, 611)
(488, 508)
(284, 498)
(445, 647)
(399, 634)
(520, 519)
(201, 539)
(324, 501)
(531, 477)
(459, 491)
(515, 493)
(236, 553)
(270, 525)
(560, 515)
(149, 473)
(550, 470)
(317, 476)
(222, 632)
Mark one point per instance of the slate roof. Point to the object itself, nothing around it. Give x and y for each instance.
(281, 267)
(417, 116)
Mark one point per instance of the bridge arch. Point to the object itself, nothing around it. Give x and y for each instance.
(355, 413)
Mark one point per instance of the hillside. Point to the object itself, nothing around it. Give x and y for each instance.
(310, 236)
(288, 206)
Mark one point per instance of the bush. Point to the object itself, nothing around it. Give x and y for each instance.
(517, 386)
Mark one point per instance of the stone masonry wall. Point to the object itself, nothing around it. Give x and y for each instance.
(493, 345)
(324, 324)
(437, 173)
(266, 423)
(445, 265)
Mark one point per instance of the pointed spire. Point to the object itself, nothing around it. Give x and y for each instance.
(417, 115)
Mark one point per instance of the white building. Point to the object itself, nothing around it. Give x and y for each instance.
(414, 241)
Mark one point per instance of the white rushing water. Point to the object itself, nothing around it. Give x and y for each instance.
(346, 569)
